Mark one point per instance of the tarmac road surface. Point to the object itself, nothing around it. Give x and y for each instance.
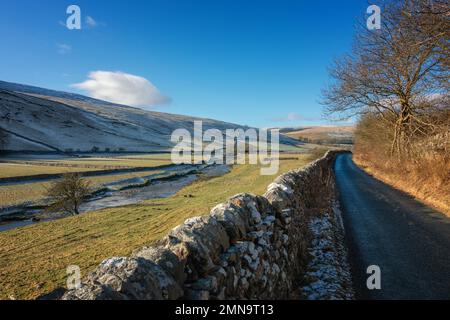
(407, 240)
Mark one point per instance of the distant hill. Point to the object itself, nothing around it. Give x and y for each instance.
(322, 134)
(38, 119)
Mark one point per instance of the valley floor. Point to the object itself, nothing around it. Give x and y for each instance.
(33, 259)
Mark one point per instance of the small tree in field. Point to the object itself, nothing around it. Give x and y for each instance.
(68, 193)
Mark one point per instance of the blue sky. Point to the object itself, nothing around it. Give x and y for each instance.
(260, 63)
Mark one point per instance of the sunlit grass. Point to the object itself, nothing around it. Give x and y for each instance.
(21, 168)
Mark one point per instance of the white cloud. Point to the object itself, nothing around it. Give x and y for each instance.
(294, 117)
(64, 48)
(289, 118)
(91, 22)
(122, 88)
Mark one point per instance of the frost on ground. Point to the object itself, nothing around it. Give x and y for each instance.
(328, 274)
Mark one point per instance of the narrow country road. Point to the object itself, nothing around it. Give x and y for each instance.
(409, 241)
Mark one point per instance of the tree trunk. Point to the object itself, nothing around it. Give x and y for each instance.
(75, 209)
(402, 126)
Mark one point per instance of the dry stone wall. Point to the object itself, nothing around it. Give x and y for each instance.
(249, 247)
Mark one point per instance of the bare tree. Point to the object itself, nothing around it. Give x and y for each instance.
(394, 71)
(68, 194)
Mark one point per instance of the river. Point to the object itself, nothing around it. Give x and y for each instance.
(129, 191)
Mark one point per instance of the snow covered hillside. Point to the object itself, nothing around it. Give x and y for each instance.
(37, 119)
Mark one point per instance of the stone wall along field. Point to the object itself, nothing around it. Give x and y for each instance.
(249, 247)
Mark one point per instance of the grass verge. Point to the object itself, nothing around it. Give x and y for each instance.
(428, 183)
